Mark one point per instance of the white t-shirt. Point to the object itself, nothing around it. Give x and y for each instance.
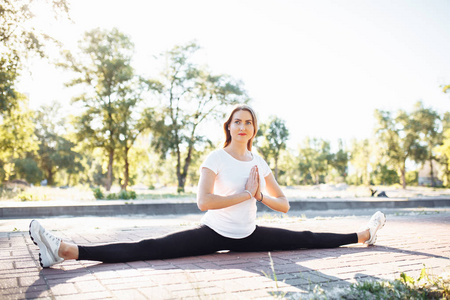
(237, 221)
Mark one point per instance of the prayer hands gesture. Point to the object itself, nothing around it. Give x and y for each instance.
(253, 182)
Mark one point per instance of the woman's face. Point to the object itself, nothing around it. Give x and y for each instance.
(241, 127)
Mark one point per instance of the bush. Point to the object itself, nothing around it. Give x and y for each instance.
(24, 196)
(123, 194)
(98, 193)
(126, 195)
(111, 196)
(412, 178)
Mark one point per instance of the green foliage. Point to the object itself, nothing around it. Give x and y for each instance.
(98, 193)
(340, 161)
(289, 173)
(382, 175)
(406, 287)
(191, 94)
(314, 160)
(19, 39)
(25, 196)
(55, 152)
(112, 196)
(277, 294)
(412, 178)
(8, 76)
(123, 195)
(400, 138)
(360, 158)
(444, 155)
(430, 134)
(28, 169)
(126, 195)
(104, 70)
(16, 137)
(275, 134)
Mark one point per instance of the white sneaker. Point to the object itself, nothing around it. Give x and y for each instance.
(376, 222)
(48, 245)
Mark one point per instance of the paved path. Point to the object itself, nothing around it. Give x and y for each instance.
(410, 239)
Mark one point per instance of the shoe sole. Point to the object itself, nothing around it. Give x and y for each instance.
(37, 241)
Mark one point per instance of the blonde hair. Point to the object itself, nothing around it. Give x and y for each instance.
(240, 107)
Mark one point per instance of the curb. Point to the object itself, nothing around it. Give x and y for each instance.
(191, 208)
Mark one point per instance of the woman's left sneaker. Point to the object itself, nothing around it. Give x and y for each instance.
(48, 245)
(376, 223)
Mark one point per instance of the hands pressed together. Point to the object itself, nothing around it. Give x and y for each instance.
(253, 183)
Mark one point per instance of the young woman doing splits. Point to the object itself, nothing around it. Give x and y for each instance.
(232, 180)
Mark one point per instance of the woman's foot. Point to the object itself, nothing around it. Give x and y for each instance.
(376, 222)
(48, 245)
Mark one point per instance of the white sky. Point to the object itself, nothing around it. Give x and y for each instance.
(323, 66)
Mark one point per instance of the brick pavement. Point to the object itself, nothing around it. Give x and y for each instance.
(409, 241)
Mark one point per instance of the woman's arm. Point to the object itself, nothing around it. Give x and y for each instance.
(276, 199)
(206, 199)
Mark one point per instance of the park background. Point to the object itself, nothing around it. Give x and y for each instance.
(349, 93)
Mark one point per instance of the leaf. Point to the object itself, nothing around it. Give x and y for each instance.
(406, 279)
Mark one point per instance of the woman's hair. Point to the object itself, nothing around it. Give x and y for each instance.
(228, 121)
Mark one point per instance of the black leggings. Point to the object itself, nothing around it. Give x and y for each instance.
(203, 240)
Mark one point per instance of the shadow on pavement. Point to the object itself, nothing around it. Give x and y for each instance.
(285, 276)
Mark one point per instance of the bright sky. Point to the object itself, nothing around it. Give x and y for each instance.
(322, 66)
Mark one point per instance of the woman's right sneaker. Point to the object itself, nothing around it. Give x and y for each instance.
(48, 245)
(376, 222)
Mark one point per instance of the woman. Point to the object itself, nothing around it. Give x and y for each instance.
(232, 180)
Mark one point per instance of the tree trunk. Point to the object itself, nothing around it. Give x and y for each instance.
(69, 176)
(126, 173)
(50, 177)
(403, 176)
(433, 183)
(109, 175)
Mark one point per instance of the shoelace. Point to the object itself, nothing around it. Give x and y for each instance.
(374, 222)
(51, 236)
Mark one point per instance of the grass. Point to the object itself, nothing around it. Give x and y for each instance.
(425, 286)
(39, 193)
(158, 195)
(81, 193)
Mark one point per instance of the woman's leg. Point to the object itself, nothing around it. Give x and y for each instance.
(198, 241)
(268, 239)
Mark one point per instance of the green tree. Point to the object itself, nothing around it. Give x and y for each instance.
(16, 136)
(19, 39)
(382, 175)
(340, 161)
(104, 68)
(360, 159)
(400, 138)
(275, 135)
(446, 88)
(443, 150)
(430, 133)
(55, 151)
(315, 158)
(191, 95)
(444, 155)
(27, 168)
(289, 174)
(129, 124)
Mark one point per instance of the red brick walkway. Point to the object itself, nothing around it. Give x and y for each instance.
(407, 243)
